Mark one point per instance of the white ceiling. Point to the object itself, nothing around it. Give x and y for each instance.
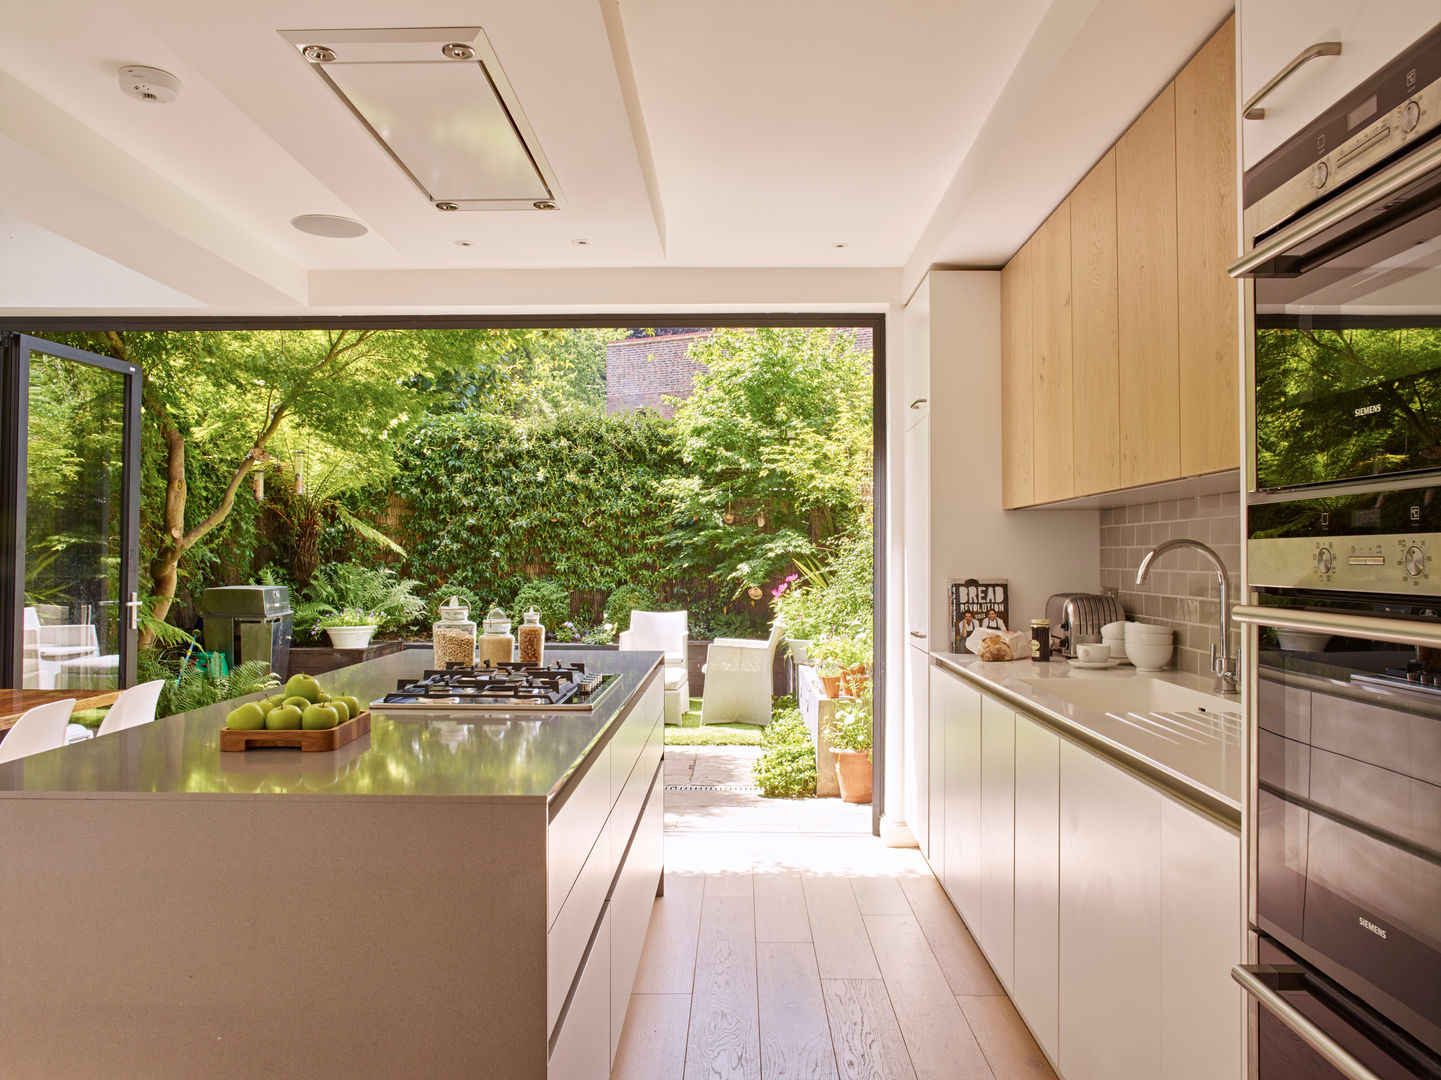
(711, 155)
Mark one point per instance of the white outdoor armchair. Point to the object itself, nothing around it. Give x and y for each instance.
(666, 632)
(738, 680)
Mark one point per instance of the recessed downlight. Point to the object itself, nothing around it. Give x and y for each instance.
(839, 244)
(464, 243)
(330, 225)
(580, 242)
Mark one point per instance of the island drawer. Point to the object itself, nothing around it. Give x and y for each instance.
(572, 832)
(633, 795)
(634, 733)
(631, 903)
(579, 1049)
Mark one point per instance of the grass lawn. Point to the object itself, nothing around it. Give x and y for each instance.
(89, 717)
(691, 733)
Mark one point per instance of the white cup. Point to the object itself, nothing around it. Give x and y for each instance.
(1093, 652)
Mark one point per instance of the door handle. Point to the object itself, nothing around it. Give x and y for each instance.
(1398, 631)
(918, 634)
(918, 403)
(1265, 983)
(1252, 110)
(134, 605)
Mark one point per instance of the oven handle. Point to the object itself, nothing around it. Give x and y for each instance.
(1426, 635)
(1265, 982)
(1374, 190)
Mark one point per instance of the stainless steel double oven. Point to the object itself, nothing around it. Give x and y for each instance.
(1344, 567)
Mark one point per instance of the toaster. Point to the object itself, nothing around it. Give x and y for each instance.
(1076, 617)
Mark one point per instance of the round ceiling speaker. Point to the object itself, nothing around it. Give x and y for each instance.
(149, 84)
(331, 225)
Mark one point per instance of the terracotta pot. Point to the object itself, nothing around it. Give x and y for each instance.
(832, 685)
(853, 680)
(853, 773)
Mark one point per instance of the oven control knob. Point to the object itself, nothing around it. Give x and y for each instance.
(1415, 561)
(1320, 173)
(1325, 561)
(1410, 116)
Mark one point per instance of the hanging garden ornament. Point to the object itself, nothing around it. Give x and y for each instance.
(754, 592)
(729, 518)
(761, 520)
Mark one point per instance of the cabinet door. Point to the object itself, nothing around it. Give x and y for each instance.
(918, 728)
(1110, 904)
(1207, 232)
(940, 686)
(1037, 882)
(1051, 357)
(917, 563)
(1201, 1008)
(1146, 283)
(1017, 433)
(963, 800)
(998, 838)
(1273, 32)
(1096, 393)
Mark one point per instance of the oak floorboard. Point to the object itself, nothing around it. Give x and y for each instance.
(781, 907)
(879, 896)
(723, 1042)
(652, 1043)
(842, 949)
(795, 1036)
(1010, 1050)
(729, 883)
(867, 1039)
(955, 950)
(667, 961)
(939, 1040)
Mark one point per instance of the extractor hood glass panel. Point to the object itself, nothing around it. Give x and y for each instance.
(444, 124)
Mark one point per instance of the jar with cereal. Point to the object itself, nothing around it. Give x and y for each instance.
(532, 639)
(454, 636)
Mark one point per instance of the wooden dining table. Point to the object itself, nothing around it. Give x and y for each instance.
(15, 703)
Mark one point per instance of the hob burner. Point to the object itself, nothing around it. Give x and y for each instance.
(510, 686)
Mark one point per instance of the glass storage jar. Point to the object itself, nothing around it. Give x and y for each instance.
(454, 635)
(497, 644)
(532, 639)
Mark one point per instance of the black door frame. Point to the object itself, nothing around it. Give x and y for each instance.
(15, 351)
(876, 322)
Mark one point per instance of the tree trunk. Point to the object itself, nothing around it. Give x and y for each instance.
(307, 547)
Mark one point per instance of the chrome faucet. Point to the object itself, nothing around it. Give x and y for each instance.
(1222, 665)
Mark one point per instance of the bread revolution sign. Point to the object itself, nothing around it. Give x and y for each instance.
(977, 605)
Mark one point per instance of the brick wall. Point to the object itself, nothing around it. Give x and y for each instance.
(641, 372)
(1180, 591)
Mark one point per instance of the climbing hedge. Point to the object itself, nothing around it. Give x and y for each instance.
(493, 503)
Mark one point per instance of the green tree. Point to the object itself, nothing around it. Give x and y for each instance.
(777, 437)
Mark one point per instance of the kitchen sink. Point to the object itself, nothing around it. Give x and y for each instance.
(1134, 695)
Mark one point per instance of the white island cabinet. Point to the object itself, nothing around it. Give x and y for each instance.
(1273, 33)
(1107, 905)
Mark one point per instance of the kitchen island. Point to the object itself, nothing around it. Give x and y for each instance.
(449, 895)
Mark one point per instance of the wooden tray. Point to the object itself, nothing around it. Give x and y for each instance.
(329, 739)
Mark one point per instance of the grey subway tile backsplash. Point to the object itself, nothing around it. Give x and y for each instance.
(1181, 590)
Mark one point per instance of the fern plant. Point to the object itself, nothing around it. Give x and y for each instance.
(188, 687)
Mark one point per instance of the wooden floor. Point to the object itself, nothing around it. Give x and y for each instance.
(792, 945)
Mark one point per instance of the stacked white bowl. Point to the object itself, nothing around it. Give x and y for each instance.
(1114, 635)
(1149, 647)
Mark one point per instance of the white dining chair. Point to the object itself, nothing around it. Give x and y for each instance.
(39, 729)
(664, 632)
(738, 680)
(134, 707)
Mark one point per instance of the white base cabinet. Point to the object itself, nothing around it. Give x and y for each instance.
(1109, 911)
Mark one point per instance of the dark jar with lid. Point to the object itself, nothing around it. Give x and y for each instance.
(1040, 639)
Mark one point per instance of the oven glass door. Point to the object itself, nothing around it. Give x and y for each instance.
(1349, 805)
(1348, 347)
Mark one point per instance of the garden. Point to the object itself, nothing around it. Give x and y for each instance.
(377, 473)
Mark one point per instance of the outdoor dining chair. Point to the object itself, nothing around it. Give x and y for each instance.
(38, 729)
(738, 680)
(134, 707)
(666, 632)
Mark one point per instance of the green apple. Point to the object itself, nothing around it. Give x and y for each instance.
(353, 704)
(266, 705)
(319, 718)
(303, 686)
(247, 717)
(285, 718)
(278, 698)
(342, 710)
(297, 702)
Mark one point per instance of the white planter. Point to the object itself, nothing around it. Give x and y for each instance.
(800, 649)
(350, 637)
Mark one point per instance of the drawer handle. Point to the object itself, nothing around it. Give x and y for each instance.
(918, 634)
(1256, 980)
(1252, 110)
(918, 403)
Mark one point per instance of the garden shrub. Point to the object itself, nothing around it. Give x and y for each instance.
(786, 768)
(550, 599)
(626, 599)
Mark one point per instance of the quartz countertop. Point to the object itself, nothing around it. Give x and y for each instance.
(486, 755)
(1198, 760)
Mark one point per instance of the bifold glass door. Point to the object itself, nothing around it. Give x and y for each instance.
(72, 478)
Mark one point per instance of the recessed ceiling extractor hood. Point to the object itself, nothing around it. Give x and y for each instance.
(436, 99)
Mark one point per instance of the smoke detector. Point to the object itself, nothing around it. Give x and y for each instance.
(149, 84)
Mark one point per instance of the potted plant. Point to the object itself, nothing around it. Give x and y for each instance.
(350, 628)
(794, 607)
(849, 733)
(825, 657)
(856, 654)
